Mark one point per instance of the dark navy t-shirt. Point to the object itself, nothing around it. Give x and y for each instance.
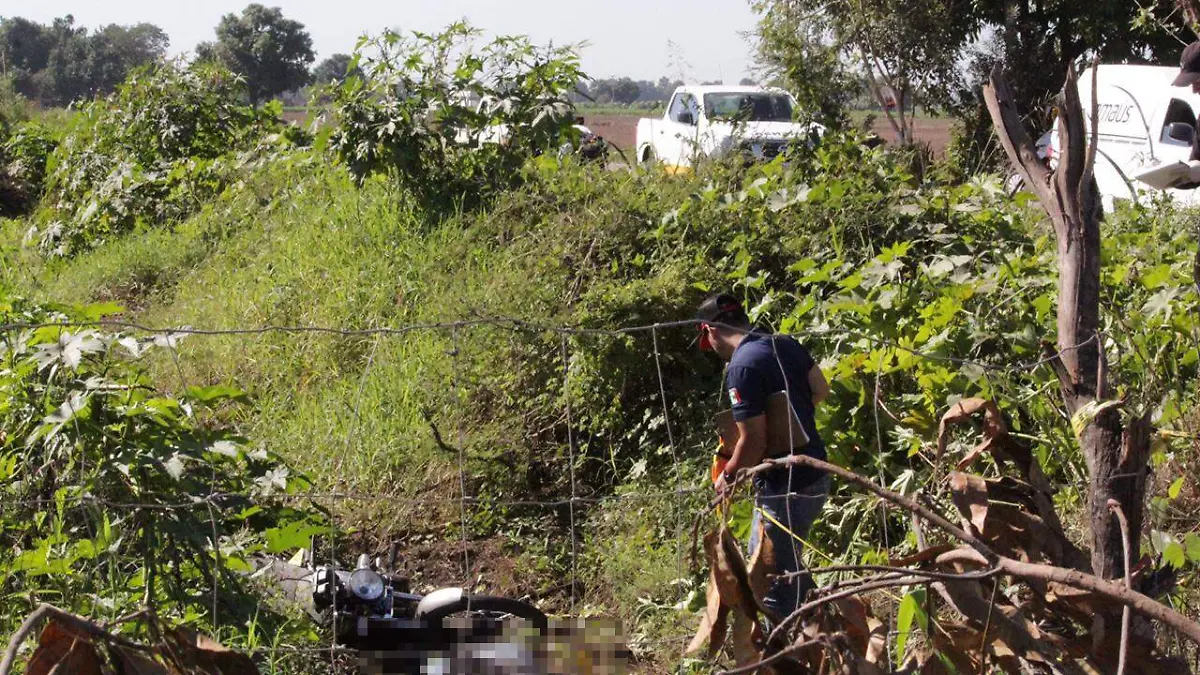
(758, 369)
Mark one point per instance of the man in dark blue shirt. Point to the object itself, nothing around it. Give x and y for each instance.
(788, 499)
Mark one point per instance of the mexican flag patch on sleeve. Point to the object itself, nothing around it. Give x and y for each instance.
(734, 397)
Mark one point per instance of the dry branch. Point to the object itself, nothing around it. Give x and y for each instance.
(44, 612)
(184, 652)
(1024, 570)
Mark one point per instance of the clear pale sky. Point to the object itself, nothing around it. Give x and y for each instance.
(625, 37)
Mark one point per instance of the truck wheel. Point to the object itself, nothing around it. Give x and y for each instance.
(648, 158)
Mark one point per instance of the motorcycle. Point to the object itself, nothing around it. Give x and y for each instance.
(447, 632)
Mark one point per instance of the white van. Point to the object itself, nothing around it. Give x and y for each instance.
(1143, 122)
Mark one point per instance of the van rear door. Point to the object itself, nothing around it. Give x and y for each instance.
(1124, 129)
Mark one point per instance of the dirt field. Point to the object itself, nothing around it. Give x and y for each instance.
(621, 130)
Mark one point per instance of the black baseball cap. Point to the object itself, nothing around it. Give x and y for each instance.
(721, 308)
(1189, 66)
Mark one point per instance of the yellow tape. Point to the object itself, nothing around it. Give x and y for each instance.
(793, 534)
(814, 548)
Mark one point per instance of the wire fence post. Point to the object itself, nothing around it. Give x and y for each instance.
(566, 359)
(462, 464)
(679, 505)
(887, 647)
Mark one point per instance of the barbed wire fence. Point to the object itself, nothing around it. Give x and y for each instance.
(669, 647)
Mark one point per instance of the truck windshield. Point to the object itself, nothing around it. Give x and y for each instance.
(749, 107)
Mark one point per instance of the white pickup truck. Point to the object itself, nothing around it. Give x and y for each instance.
(712, 121)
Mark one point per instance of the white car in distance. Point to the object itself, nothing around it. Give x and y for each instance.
(583, 141)
(714, 120)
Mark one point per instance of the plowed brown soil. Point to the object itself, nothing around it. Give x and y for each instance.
(622, 130)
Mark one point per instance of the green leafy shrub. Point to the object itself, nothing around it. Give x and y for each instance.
(924, 293)
(116, 494)
(973, 147)
(14, 108)
(163, 144)
(23, 159)
(453, 121)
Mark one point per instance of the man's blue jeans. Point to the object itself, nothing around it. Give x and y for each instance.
(797, 511)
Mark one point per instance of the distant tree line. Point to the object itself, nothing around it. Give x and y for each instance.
(627, 91)
(58, 63)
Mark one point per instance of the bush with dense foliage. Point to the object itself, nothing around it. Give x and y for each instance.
(454, 121)
(119, 495)
(23, 159)
(170, 139)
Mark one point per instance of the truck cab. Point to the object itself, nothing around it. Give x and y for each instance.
(712, 121)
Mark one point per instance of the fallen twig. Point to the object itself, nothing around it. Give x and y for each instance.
(808, 607)
(776, 657)
(887, 569)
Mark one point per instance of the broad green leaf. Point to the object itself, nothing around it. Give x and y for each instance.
(1191, 545)
(1160, 303)
(1176, 486)
(214, 393)
(1156, 277)
(297, 534)
(741, 515)
(1174, 555)
(97, 311)
(1160, 540)
(69, 409)
(1042, 304)
(910, 611)
(8, 466)
(236, 563)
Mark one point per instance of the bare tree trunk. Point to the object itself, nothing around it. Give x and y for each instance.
(1116, 456)
(874, 85)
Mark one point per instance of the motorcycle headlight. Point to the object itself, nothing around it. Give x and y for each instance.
(366, 585)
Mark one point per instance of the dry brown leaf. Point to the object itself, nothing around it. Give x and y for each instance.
(135, 663)
(960, 644)
(742, 640)
(202, 654)
(852, 615)
(970, 497)
(62, 649)
(867, 635)
(734, 575)
(993, 423)
(724, 593)
(709, 620)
